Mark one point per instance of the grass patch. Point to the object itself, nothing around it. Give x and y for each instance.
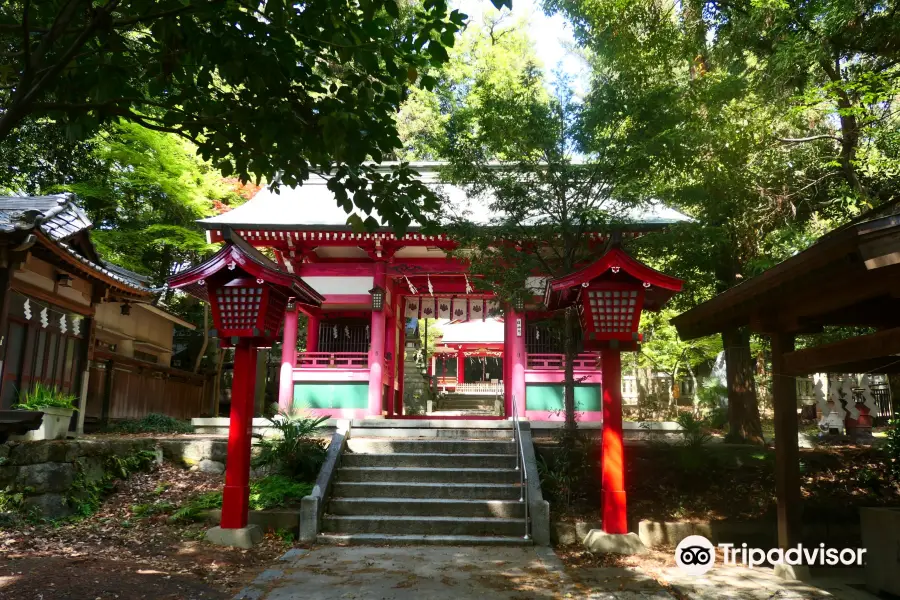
(273, 491)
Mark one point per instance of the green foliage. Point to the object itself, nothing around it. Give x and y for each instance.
(85, 496)
(190, 510)
(566, 471)
(278, 89)
(274, 491)
(41, 395)
(893, 448)
(693, 430)
(295, 451)
(151, 423)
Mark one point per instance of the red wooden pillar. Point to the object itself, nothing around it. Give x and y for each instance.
(236, 496)
(312, 333)
(612, 461)
(460, 367)
(288, 361)
(390, 349)
(401, 356)
(514, 361)
(376, 349)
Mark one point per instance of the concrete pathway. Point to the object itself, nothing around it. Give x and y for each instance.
(509, 573)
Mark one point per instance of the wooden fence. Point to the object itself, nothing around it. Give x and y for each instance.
(124, 388)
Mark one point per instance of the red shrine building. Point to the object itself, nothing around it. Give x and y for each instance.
(375, 286)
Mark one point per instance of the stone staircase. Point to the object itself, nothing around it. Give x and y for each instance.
(427, 486)
(469, 404)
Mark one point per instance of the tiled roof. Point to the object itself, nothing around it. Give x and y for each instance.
(58, 215)
(59, 218)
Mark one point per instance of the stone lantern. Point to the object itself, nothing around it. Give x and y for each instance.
(248, 294)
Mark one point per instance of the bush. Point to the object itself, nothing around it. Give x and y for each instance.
(567, 474)
(272, 491)
(152, 423)
(716, 418)
(40, 396)
(693, 430)
(893, 448)
(296, 453)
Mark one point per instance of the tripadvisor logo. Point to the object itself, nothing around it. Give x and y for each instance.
(696, 555)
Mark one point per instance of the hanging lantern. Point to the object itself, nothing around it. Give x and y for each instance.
(248, 294)
(609, 295)
(377, 298)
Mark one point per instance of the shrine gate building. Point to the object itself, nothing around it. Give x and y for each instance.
(376, 286)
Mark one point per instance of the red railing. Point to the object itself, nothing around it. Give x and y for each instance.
(556, 362)
(333, 360)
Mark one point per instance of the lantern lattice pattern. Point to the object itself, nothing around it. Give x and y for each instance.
(239, 307)
(613, 311)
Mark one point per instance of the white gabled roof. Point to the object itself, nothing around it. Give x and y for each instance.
(313, 206)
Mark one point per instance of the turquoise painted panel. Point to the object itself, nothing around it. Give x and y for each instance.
(549, 397)
(331, 395)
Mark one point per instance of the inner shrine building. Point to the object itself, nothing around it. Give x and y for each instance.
(377, 286)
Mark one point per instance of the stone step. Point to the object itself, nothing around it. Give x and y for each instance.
(463, 461)
(427, 475)
(433, 433)
(429, 507)
(419, 525)
(431, 540)
(430, 423)
(404, 490)
(428, 446)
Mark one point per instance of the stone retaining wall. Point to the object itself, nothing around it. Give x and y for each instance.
(45, 471)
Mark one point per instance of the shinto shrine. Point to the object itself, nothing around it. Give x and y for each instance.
(358, 292)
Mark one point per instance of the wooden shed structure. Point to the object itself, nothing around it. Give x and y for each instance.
(849, 277)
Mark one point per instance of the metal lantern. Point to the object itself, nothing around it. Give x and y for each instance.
(377, 298)
(248, 294)
(609, 295)
(611, 311)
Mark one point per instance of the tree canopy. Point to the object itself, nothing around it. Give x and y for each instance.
(270, 90)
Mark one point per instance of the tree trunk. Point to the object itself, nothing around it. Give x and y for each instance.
(695, 396)
(571, 352)
(743, 410)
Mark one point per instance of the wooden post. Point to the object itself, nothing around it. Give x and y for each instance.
(390, 345)
(612, 462)
(288, 360)
(236, 497)
(312, 333)
(515, 332)
(376, 350)
(509, 333)
(787, 452)
(401, 357)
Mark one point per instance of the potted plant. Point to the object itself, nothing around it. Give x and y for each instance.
(57, 407)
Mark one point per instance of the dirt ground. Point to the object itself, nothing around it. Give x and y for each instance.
(116, 554)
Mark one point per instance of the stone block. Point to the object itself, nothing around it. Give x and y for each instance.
(46, 477)
(93, 468)
(661, 533)
(50, 506)
(211, 466)
(8, 475)
(29, 453)
(4, 452)
(600, 542)
(246, 537)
